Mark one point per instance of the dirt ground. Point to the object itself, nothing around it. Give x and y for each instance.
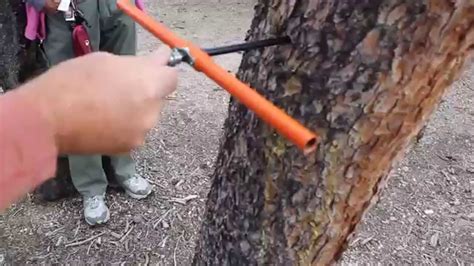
(426, 214)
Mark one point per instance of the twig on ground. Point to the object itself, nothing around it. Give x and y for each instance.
(155, 224)
(162, 244)
(115, 235)
(174, 253)
(16, 212)
(126, 245)
(41, 257)
(54, 231)
(77, 230)
(172, 96)
(355, 242)
(59, 242)
(180, 238)
(180, 182)
(147, 259)
(127, 226)
(185, 200)
(89, 248)
(127, 233)
(78, 243)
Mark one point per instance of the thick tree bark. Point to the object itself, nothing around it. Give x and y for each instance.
(9, 48)
(365, 75)
(19, 58)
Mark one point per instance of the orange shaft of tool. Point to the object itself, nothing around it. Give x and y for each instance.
(282, 122)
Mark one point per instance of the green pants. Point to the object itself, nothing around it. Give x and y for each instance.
(111, 31)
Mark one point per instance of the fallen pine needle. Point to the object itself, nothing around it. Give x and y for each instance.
(126, 234)
(78, 243)
(161, 218)
(185, 200)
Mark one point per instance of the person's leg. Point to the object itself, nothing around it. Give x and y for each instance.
(86, 171)
(118, 36)
(117, 30)
(89, 179)
(134, 185)
(87, 175)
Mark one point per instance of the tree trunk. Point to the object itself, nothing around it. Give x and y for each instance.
(9, 48)
(365, 75)
(20, 60)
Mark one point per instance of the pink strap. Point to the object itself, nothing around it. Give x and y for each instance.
(36, 21)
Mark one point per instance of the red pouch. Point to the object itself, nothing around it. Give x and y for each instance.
(80, 40)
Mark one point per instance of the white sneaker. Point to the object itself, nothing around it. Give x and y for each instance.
(137, 187)
(95, 210)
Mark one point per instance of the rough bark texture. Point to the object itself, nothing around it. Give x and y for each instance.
(365, 75)
(9, 64)
(19, 58)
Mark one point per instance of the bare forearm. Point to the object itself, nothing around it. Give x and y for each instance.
(27, 148)
(56, 113)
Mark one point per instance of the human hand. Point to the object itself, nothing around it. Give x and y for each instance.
(102, 103)
(51, 6)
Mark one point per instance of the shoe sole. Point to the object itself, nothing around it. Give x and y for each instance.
(137, 196)
(99, 223)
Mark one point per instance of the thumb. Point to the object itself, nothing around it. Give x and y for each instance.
(160, 77)
(154, 69)
(167, 81)
(161, 56)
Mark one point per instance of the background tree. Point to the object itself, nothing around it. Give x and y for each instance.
(20, 59)
(363, 74)
(9, 50)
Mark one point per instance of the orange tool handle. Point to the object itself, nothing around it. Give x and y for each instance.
(302, 137)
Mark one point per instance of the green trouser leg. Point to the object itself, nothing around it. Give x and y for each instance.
(118, 36)
(117, 31)
(86, 171)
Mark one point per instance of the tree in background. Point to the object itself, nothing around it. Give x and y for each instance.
(365, 75)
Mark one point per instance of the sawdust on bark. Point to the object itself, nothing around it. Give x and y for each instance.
(426, 214)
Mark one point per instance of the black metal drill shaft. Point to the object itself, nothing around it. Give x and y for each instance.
(247, 46)
(179, 54)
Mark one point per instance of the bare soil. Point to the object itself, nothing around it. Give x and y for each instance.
(426, 214)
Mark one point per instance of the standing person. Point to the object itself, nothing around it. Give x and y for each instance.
(109, 30)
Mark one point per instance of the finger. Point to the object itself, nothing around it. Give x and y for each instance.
(167, 81)
(156, 59)
(161, 56)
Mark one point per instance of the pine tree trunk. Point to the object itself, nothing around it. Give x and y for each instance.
(20, 59)
(9, 48)
(365, 75)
